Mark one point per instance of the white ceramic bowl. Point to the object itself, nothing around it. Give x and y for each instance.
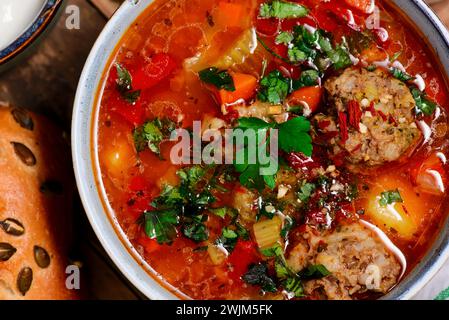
(84, 149)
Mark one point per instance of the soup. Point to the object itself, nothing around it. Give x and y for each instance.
(347, 110)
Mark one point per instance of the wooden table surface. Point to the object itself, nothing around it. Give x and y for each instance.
(46, 82)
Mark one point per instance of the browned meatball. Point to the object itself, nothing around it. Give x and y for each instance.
(356, 257)
(376, 112)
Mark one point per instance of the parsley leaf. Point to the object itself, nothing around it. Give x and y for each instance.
(284, 37)
(152, 133)
(274, 88)
(124, 80)
(219, 78)
(124, 84)
(401, 75)
(423, 105)
(257, 274)
(306, 191)
(308, 78)
(228, 239)
(282, 10)
(161, 225)
(390, 197)
(195, 229)
(294, 136)
(316, 271)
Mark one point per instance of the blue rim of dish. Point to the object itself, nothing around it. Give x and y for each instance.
(44, 18)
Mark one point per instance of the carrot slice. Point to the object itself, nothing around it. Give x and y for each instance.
(229, 14)
(245, 88)
(309, 95)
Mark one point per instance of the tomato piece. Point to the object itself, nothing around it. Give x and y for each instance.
(365, 6)
(311, 96)
(241, 258)
(431, 177)
(138, 183)
(268, 27)
(160, 67)
(132, 113)
(245, 88)
(149, 245)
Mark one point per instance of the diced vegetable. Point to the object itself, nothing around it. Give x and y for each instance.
(216, 254)
(245, 88)
(160, 67)
(229, 14)
(241, 258)
(400, 217)
(310, 96)
(268, 232)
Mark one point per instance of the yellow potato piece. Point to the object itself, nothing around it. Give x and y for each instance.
(405, 217)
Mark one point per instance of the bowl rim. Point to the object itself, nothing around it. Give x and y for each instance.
(28, 36)
(117, 245)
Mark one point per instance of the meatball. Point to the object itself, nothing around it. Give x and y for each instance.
(356, 257)
(374, 114)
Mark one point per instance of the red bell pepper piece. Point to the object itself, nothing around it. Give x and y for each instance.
(160, 67)
(241, 258)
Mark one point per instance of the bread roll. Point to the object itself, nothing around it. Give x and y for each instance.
(36, 191)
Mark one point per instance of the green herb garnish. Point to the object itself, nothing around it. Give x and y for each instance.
(390, 197)
(282, 10)
(219, 78)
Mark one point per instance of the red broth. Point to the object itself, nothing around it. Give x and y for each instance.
(180, 30)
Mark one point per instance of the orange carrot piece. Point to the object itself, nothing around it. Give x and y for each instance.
(309, 95)
(245, 88)
(229, 14)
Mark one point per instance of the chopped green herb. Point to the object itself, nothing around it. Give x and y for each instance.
(284, 37)
(124, 84)
(371, 68)
(195, 229)
(124, 80)
(219, 78)
(161, 225)
(316, 271)
(282, 10)
(241, 231)
(152, 133)
(288, 225)
(293, 136)
(258, 275)
(390, 197)
(308, 78)
(401, 75)
(274, 88)
(296, 55)
(228, 239)
(305, 192)
(423, 105)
